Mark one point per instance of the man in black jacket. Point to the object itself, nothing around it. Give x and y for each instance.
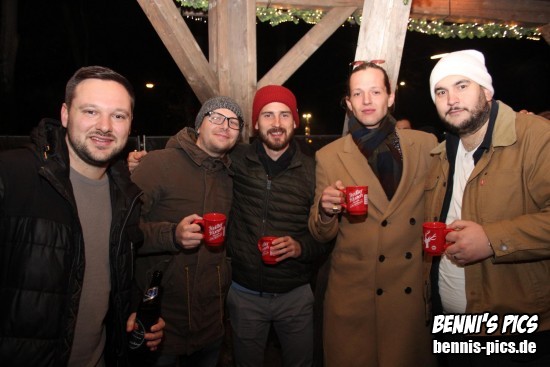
(68, 221)
(273, 190)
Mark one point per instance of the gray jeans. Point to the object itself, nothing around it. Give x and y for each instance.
(291, 314)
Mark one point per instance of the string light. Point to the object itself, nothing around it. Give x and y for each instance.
(276, 16)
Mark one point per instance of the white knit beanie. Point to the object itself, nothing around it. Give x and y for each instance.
(468, 63)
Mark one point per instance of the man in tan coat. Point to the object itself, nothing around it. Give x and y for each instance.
(375, 312)
(491, 183)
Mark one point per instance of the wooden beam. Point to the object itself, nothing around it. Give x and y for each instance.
(383, 36)
(528, 12)
(235, 24)
(307, 45)
(536, 12)
(180, 42)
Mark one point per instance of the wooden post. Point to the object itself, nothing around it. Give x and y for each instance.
(235, 50)
(382, 35)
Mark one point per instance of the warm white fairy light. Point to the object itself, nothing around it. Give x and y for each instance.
(276, 16)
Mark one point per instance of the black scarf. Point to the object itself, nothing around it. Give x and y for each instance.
(381, 148)
(273, 168)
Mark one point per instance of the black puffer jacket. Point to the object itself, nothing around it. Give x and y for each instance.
(42, 253)
(271, 206)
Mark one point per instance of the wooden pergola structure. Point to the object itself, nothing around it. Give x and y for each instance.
(231, 68)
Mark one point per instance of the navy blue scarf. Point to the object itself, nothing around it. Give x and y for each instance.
(381, 148)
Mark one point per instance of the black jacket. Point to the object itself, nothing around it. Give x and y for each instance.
(271, 206)
(42, 253)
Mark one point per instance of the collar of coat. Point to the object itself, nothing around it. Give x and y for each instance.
(186, 139)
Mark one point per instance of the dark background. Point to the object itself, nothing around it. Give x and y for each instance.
(57, 37)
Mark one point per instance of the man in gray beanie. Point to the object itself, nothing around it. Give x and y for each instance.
(180, 183)
(490, 183)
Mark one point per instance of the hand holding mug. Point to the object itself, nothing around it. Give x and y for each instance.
(356, 200)
(331, 200)
(213, 228)
(265, 245)
(187, 234)
(470, 243)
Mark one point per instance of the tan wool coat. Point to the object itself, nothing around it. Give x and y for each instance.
(374, 310)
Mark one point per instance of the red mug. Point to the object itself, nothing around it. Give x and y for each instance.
(264, 245)
(213, 228)
(356, 199)
(434, 234)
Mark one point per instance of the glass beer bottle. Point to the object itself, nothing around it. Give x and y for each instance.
(148, 313)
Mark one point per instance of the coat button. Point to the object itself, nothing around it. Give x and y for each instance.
(408, 290)
(379, 291)
(412, 221)
(381, 258)
(503, 248)
(408, 255)
(384, 223)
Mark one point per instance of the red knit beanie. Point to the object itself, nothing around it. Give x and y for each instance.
(274, 93)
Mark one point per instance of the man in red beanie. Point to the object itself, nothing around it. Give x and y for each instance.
(273, 190)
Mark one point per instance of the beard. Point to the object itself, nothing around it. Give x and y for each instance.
(86, 155)
(279, 143)
(479, 115)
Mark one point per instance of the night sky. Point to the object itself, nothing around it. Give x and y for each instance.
(56, 38)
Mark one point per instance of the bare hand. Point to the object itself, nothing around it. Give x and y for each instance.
(285, 247)
(134, 158)
(154, 338)
(188, 234)
(331, 200)
(471, 244)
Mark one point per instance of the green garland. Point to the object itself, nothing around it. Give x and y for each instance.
(434, 27)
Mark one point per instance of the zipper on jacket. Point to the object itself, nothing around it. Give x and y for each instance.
(266, 202)
(119, 244)
(263, 228)
(218, 268)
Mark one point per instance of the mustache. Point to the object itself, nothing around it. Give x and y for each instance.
(455, 109)
(276, 130)
(102, 134)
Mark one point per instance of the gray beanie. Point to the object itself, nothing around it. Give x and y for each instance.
(215, 103)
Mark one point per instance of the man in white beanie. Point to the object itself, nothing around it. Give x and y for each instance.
(490, 183)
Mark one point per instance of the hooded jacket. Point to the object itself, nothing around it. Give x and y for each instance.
(178, 181)
(42, 253)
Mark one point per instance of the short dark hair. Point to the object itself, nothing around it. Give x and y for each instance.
(96, 72)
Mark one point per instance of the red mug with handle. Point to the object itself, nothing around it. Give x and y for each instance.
(433, 238)
(213, 228)
(356, 200)
(264, 245)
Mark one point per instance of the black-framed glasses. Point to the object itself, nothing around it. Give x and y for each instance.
(355, 64)
(217, 118)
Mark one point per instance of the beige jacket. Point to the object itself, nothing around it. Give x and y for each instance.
(374, 311)
(508, 193)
